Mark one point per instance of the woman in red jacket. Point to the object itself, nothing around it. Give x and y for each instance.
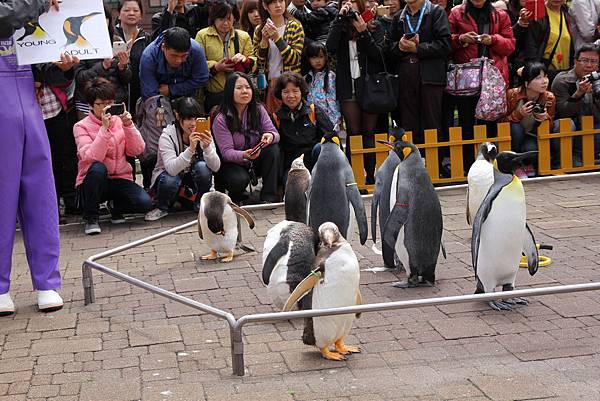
(479, 30)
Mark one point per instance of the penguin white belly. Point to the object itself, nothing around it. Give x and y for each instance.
(222, 243)
(400, 248)
(480, 179)
(338, 288)
(278, 287)
(502, 236)
(351, 218)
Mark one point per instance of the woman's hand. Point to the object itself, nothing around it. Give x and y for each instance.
(249, 156)
(106, 118)
(541, 117)
(486, 39)
(123, 60)
(224, 65)
(526, 108)
(271, 30)
(359, 24)
(205, 139)
(194, 140)
(66, 62)
(239, 58)
(345, 8)
(409, 45)
(126, 119)
(469, 37)
(524, 16)
(267, 138)
(107, 63)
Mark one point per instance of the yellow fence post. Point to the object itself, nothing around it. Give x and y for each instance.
(480, 135)
(544, 148)
(503, 137)
(566, 145)
(431, 154)
(380, 149)
(456, 153)
(587, 141)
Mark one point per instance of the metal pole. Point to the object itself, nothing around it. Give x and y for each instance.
(237, 349)
(88, 284)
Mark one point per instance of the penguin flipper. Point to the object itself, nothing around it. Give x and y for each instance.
(241, 212)
(278, 251)
(359, 211)
(394, 223)
(302, 289)
(530, 250)
(374, 207)
(500, 181)
(468, 211)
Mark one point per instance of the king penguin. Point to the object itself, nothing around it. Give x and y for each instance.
(480, 178)
(288, 256)
(296, 191)
(334, 282)
(217, 223)
(333, 194)
(414, 227)
(501, 233)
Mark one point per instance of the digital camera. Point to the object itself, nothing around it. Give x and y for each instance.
(594, 79)
(538, 108)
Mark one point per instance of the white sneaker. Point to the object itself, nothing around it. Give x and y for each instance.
(155, 214)
(7, 307)
(49, 301)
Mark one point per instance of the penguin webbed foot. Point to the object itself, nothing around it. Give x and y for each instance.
(211, 256)
(228, 258)
(413, 282)
(345, 349)
(518, 300)
(499, 305)
(332, 356)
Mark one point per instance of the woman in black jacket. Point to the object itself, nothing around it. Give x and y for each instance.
(358, 52)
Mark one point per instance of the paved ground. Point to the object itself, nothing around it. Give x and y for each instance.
(131, 345)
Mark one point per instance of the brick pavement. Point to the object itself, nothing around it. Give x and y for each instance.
(133, 345)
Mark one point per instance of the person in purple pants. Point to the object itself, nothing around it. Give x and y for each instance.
(28, 191)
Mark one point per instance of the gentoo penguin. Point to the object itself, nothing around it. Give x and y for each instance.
(501, 233)
(480, 178)
(296, 191)
(288, 257)
(414, 226)
(334, 282)
(333, 193)
(217, 223)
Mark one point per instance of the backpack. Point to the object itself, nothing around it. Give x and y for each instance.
(311, 116)
(151, 117)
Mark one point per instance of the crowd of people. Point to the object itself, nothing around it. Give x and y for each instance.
(273, 76)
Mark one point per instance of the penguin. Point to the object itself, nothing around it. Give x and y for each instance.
(33, 28)
(72, 29)
(501, 233)
(288, 256)
(217, 222)
(333, 194)
(334, 282)
(414, 227)
(480, 178)
(296, 191)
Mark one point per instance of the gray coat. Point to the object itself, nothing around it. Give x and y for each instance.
(563, 87)
(13, 14)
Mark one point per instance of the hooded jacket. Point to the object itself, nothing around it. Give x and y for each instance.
(142, 40)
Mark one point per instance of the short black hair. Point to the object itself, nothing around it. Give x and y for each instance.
(587, 47)
(122, 3)
(290, 77)
(178, 39)
(219, 9)
(187, 107)
(531, 71)
(99, 88)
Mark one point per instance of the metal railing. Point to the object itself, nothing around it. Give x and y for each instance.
(236, 325)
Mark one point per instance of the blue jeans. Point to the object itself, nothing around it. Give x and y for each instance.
(167, 186)
(522, 141)
(127, 196)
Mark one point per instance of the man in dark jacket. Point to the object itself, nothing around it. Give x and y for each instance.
(190, 17)
(316, 19)
(419, 45)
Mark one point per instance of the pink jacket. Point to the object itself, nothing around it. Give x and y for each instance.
(95, 144)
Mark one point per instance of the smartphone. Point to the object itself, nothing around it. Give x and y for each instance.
(409, 35)
(367, 15)
(202, 124)
(383, 11)
(119, 46)
(258, 147)
(116, 109)
(478, 39)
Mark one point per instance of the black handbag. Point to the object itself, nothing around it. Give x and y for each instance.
(378, 93)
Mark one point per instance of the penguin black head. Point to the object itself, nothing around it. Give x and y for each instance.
(213, 210)
(331, 137)
(404, 149)
(507, 162)
(488, 151)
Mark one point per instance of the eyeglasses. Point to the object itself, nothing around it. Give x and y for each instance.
(588, 61)
(106, 103)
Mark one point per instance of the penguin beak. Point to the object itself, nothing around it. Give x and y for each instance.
(386, 143)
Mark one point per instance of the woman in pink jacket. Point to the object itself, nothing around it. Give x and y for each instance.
(103, 142)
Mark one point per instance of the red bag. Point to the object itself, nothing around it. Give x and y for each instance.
(537, 8)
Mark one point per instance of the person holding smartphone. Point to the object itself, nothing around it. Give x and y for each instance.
(187, 158)
(103, 142)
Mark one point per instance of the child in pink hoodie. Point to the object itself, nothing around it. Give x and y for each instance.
(103, 142)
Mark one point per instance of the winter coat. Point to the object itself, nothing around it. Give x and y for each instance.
(190, 76)
(135, 56)
(212, 44)
(233, 144)
(564, 87)
(87, 70)
(290, 46)
(14, 14)
(515, 95)
(368, 47)
(109, 147)
(537, 36)
(503, 41)
(193, 19)
(172, 160)
(434, 43)
(585, 15)
(316, 22)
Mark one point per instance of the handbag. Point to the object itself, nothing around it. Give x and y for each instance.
(378, 93)
(492, 102)
(465, 79)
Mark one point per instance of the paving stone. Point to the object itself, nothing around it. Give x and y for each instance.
(173, 392)
(52, 322)
(158, 361)
(48, 347)
(513, 388)
(462, 327)
(116, 390)
(195, 284)
(154, 335)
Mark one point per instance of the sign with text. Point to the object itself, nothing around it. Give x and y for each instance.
(78, 29)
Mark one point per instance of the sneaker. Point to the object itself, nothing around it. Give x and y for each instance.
(49, 300)
(155, 214)
(529, 170)
(92, 227)
(117, 218)
(519, 172)
(7, 307)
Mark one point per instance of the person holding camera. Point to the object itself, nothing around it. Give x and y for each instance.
(528, 106)
(187, 157)
(226, 50)
(104, 138)
(247, 141)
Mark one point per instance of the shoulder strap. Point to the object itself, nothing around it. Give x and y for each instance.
(276, 120)
(236, 42)
(557, 40)
(312, 115)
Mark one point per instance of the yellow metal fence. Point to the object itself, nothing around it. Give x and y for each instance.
(432, 149)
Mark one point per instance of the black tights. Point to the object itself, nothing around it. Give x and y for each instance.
(361, 123)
